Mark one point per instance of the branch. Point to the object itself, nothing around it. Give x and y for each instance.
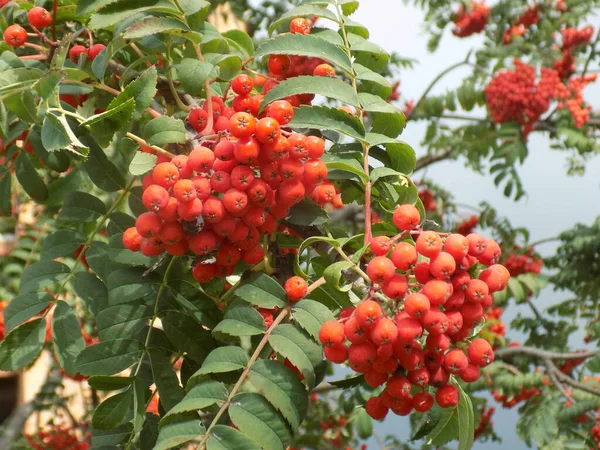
(509, 352)
(427, 160)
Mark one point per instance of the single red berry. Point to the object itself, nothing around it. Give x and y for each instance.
(447, 396)
(404, 256)
(355, 332)
(132, 239)
(422, 401)
(198, 119)
(380, 245)
(398, 387)
(242, 84)
(442, 266)
(437, 291)
(278, 64)
(416, 305)
(456, 245)
(380, 269)
(282, 111)
(331, 333)
(324, 70)
(165, 174)
(409, 330)
(384, 332)
(39, 17)
(362, 354)
(155, 198)
(15, 35)
(455, 361)
(368, 313)
(376, 409)
(76, 51)
(300, 25)
(406, 217)
(95, 51)
(148, 224)
(337, 354)
(295, 288)
(429, 244)
(481, 353)
(470, 374)
(243, 125)
(395, 287)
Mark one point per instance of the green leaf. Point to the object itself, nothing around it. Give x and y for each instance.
(23, 105)
(363, 423)
(61, 243)
(365, 74)
(125, 319)
(187, 336)
(42, 274)
(229, 65)
(49, 82)
(142, 90)
(367, 53)
(66, 336)
(85, 7)
(303, 352)
(92, 291)
(106, 383)
(109, 357)
(125, 9)
(128, 285)
(446, 429)
(306, 245)
(142, 163)
(193, 73)
(24, 307)
(241, 320)
(5, 191)
(388, 119)
(256, 418)
(200, 396)
(466, 421)
(222, 360)
(307, 213)
(112, 412)
(223, 437)
(102, 172)
(576, 410)
(19, 77)
(22, 345)
(303, 11)
(333, 275)
(261, 290)
(282, 388)
(397, 155)
(241, 41)
(81, 207)
(329, 87)
(310, 315)
(167, 383)
(324, 118)
(57, 135)
(30, 179)
(348, 6)
(153, 25)
(119, 114)
(305, 45)
(173, 434)
(346, 163)
(164, 130)
(349, 382)
(380, 172)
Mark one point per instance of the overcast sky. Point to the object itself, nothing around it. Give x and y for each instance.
(554, 202)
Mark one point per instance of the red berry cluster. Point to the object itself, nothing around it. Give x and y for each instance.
(466, 226)
(224, 195)
(516, 96)
(527, 19)
(435, 304)
(571, 39)
(510, 401)
(485, 421)
(472, 21)
(428, 200)
(61, 437)
(77, 50)
(575, 104)
(520, 263)
(493, 322)
(16, 36)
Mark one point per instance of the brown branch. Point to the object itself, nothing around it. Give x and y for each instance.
(427, 160)
(536, 353)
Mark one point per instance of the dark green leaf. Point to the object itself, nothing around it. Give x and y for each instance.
(173, 434)
(242, 41)
(349, 382)
(81, 207)
(49, 82)
(241, 320)
(307, 213)
(200, 396)
(5, 191)
(261, 290)
(324, 118)
(193, 73)
(167, 383)
(310, 315)
(123, 10)
(125, 319)
(142, 90)
(22, 345)
(282, 388)
(42, 274)
(61, 243)
(256, 418)
(66, 336)
(466, 421)
(221, 360)
(305, 45)
(333, 275)
(102, 171)
(109, 357)
(303, 352)
(153, 25)
(30, 179)
(187, 336)
(128, 285)
(142, 163)
(112, 412)
(57, 135)
(106, 383)
(223, 437)
(363, 423)
(329, 87)
(24, 307)
(92, 291)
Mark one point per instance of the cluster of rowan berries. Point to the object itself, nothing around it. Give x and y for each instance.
(510, 401)
(434, 305)
(471, 21)
(485, 422)
(520, 263)
(428, 199)
(575, 104)
(494, 324)
(571, 39)
(61, 437)
(77, 50)
(516, 96)
(16, 36)
(466, 226)
(530, 17)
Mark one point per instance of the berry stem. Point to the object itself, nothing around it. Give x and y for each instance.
(263, 342)
(167, 63)
(41, 35)
(33, 57)
(140, 141)
(39, 48)
(139, 53)
(320, 282)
